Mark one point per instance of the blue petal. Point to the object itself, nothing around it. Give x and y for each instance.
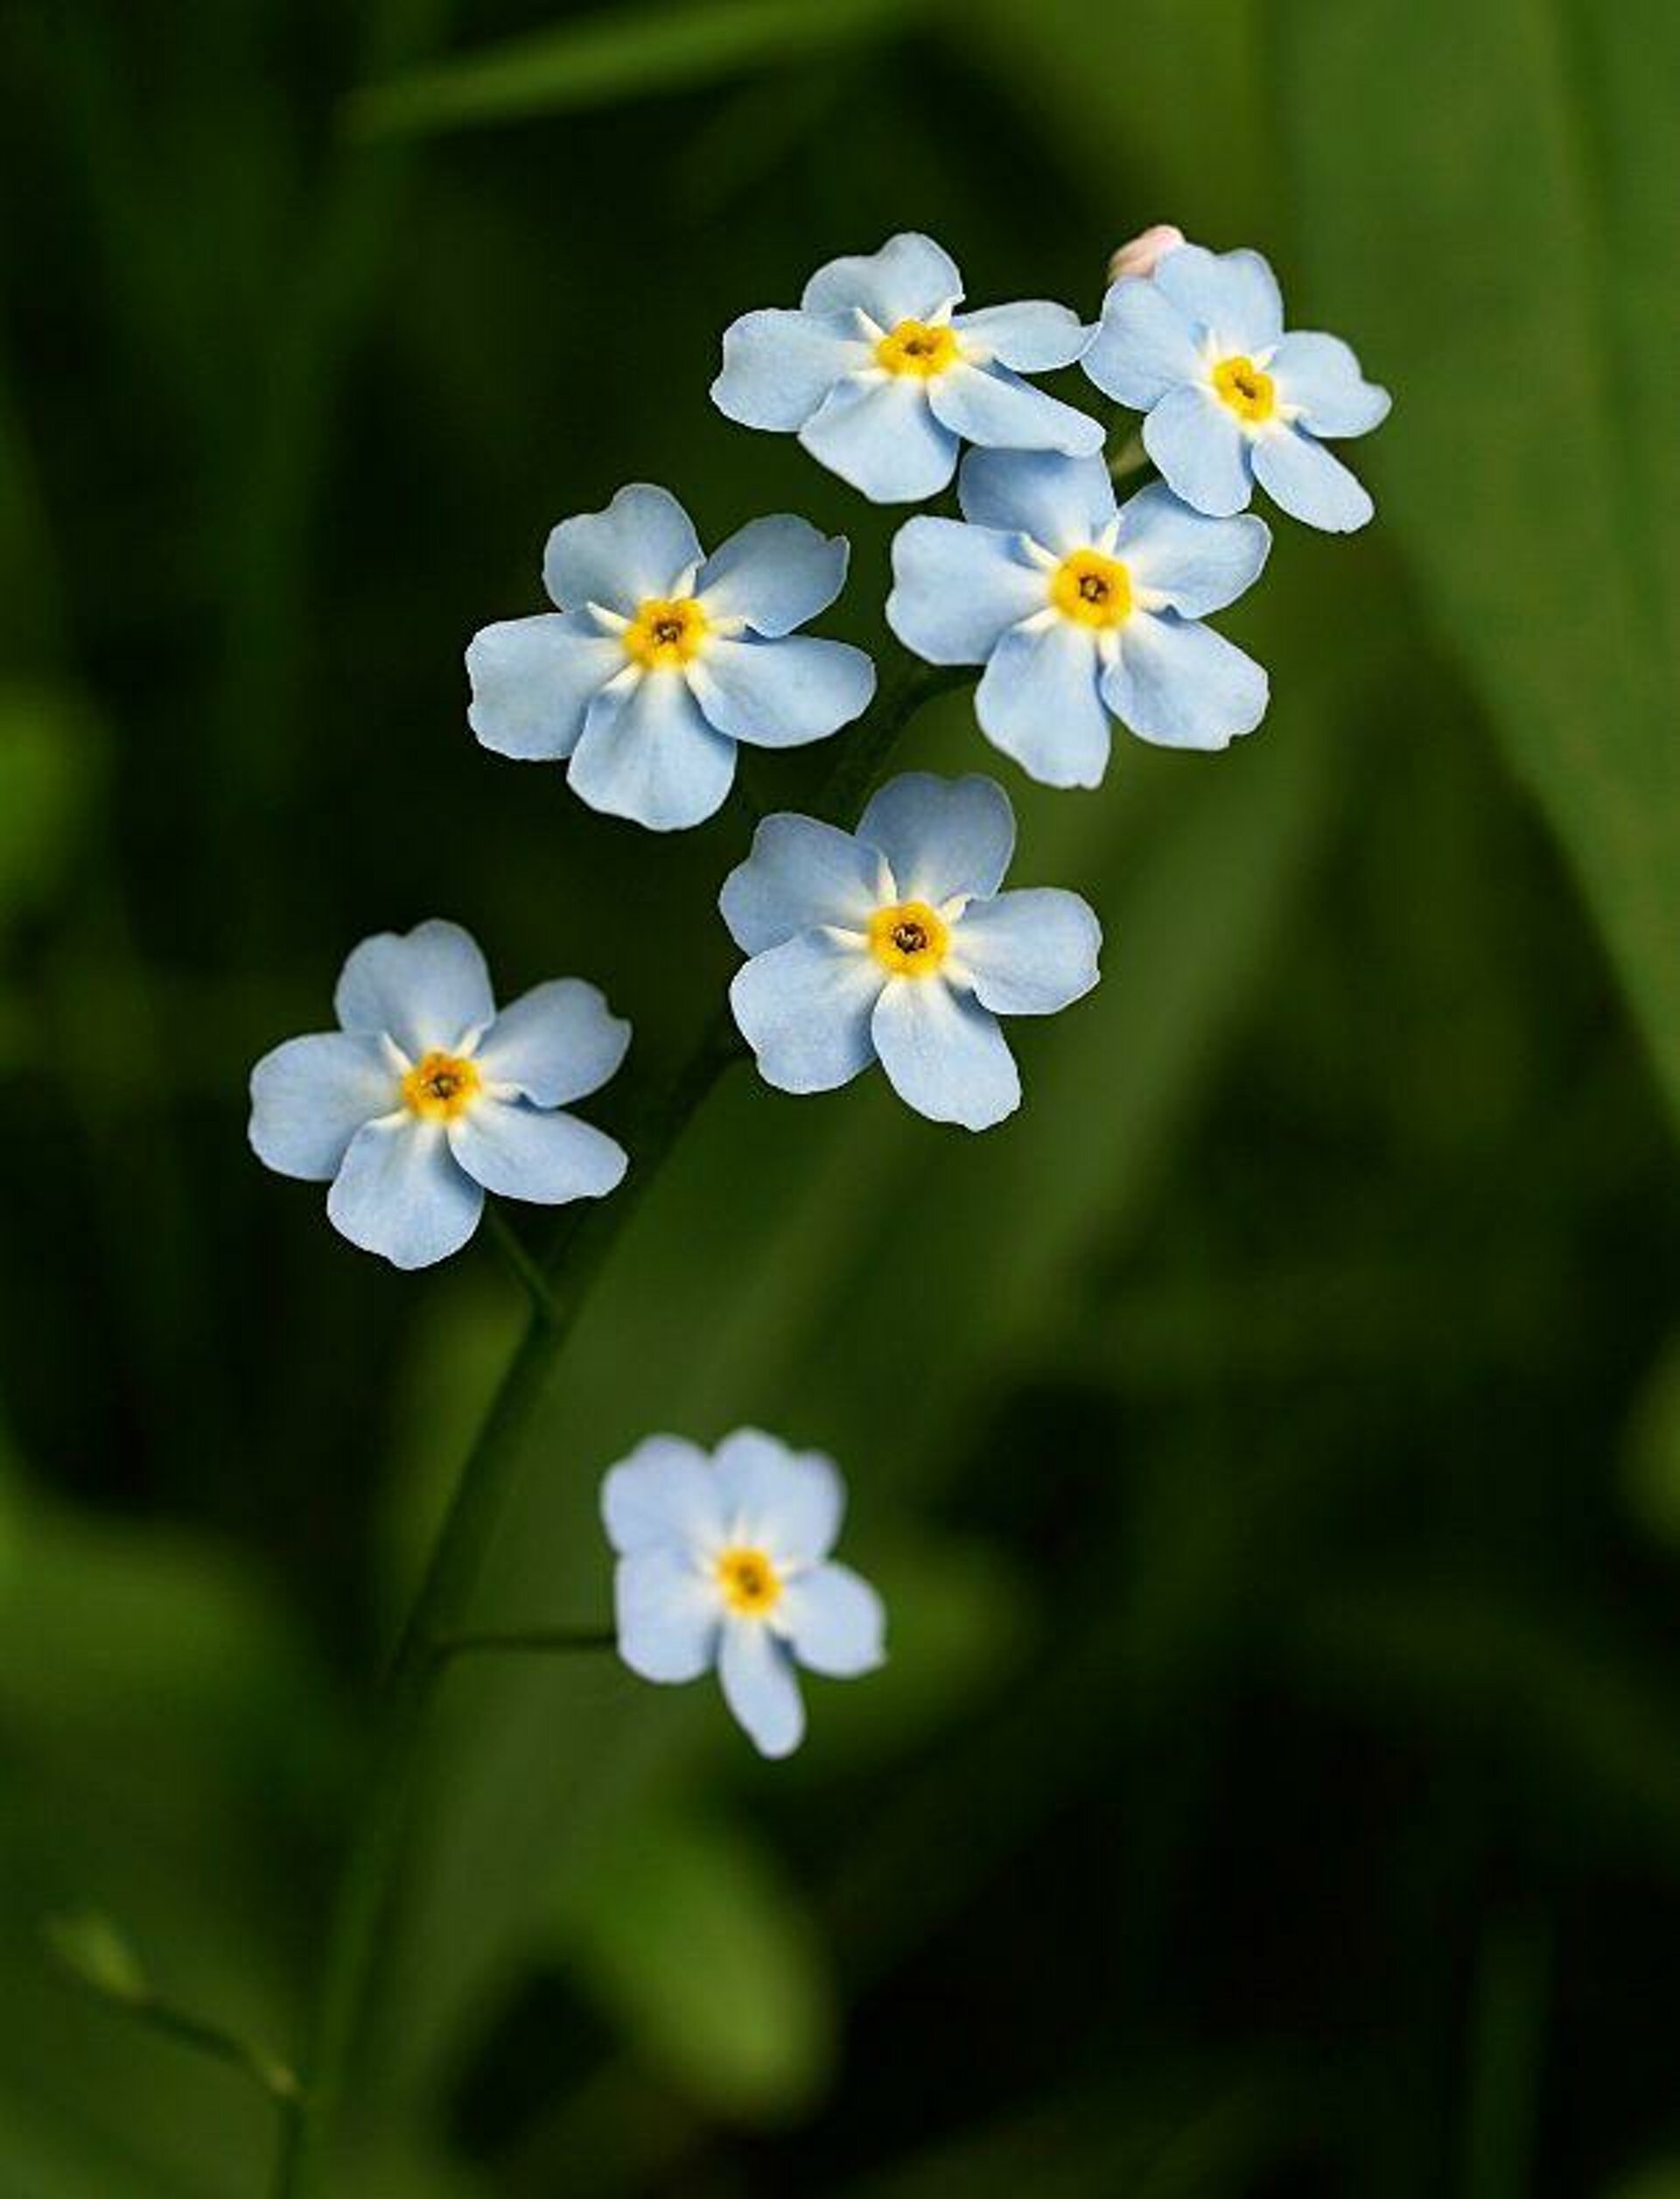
(956, 589)
(835, 1622)
(775, 573)
(787, 1503)
(522, 1151)
(427, 988)
(804, 1008)
(641, 545)
(882, 438)
(668, 1616)
(1309, 482)
(1062, 503)
(1321, 375)
(310, 1096)
(1031, 336)
(781, 694)
(1232, 295)
(993, 405)
(778, 366)
(1198, 564)
(799, 874)
(942, 836)
(1181, 685)
(1038, 701)
(910, 277)
(648, 753)
(759, 1687)
(944, 1054)
(556, 1042)
(532, 680)
(1200, 450)
(401, 1193)
(664, 1495)
(1030, 953)
(1143, 347)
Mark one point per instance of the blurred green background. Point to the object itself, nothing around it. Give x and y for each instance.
(1269, 1442)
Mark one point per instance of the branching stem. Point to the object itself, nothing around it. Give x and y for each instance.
(558, 1285)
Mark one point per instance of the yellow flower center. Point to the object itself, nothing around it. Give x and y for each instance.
(1246, 388)
(914, 347)
(665, 634)
(1095, 590)
(750, 1582)
(909, 939)
(441, 1086)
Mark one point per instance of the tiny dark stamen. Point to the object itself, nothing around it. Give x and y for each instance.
(1093, 588)
(667, 630)
(909, 939)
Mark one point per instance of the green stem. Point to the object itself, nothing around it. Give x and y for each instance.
(519, 1257)
(534, 1641)
(906, 684)
(560, 1283)
(96, 1955)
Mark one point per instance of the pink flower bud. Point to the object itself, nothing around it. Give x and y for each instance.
(1145, 252)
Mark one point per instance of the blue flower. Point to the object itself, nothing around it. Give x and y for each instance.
(424, 1098)
(1077, 608)
(724, 1561)
(1200, 347)
(883, 378)
(893, 944)
(660, 658)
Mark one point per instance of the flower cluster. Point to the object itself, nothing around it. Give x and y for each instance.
(892, 941)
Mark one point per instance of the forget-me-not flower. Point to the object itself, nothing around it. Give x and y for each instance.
(660, 658)
(723, 1560)
(894, 944)
(425, 1098)
(1077, 608)
(883, 379)
(1231, 400)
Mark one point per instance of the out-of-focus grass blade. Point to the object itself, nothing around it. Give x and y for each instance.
(1522, 307)
(49, 766)
(618, 56)
(1650, 1466)
(160, 1720)
(691, 1938)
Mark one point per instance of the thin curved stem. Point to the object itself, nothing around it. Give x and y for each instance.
(559, 1284)
(524, 1641)
(519, 1258)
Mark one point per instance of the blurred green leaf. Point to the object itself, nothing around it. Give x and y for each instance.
(622, 55)
(49, 775)
(1651, 1456)
(1660, 2180)
(1512, 164)
(98, 1952)
(695, 1944)
(161, 1729)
